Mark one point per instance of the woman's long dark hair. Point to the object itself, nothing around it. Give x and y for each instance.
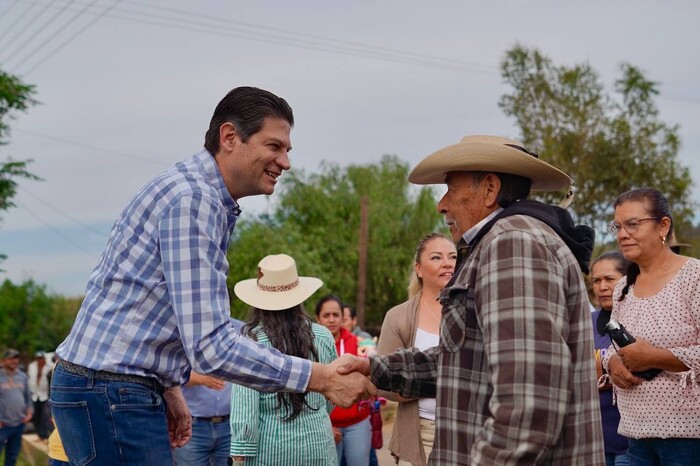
(658, 207)
(290, 332)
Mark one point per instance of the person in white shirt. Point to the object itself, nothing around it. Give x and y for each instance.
(38, 373)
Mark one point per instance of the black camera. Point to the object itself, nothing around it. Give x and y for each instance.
(619, 334)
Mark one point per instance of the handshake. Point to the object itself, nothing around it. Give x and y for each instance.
(344, 381)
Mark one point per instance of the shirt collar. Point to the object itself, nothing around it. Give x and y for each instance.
(217, 180)
(470, 234)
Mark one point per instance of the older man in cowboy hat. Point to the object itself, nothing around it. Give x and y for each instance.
(513, 373)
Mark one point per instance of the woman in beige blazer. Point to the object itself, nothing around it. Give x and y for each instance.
(416, 322)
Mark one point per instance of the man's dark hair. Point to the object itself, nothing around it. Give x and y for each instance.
(246, 109)
(513, 187)
(353, 311)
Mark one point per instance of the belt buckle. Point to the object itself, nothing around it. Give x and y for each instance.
(217, 419)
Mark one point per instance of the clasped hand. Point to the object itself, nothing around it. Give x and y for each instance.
(343, 381)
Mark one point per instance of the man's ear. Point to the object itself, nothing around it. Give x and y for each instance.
(227, 137)
(491, 186)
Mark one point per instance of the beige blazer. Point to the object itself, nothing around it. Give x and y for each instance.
(399, 331)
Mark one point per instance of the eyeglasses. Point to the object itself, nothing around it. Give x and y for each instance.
(631, 226)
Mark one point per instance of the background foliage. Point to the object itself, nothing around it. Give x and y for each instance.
(317, 222)
(31, 319)
(608, 142)
(15, 96)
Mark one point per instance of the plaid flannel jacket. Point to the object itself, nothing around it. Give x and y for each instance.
(514, 369)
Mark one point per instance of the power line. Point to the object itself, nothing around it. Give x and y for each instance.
(56, 231)
(266, 31)
(7, 10)
(72, 38)
(101, 234)
(52, 36)
(18, 20)
(183, 21)
(31, 35)
(91, 147)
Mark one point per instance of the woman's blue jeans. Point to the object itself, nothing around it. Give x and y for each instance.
(355, 443)
(612, 459)
(663, 452)
(109, 423)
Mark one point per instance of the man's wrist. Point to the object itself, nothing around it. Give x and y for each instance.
(318, 379)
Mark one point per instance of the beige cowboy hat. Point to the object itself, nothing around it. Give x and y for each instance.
(489, 154)
(675, 245)
(278, 285)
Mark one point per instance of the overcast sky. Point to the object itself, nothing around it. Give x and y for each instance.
(127, 89)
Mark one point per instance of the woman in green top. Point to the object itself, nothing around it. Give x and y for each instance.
(282, 428)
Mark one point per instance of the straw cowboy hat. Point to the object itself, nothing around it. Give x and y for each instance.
(278, 285)
(489, 154)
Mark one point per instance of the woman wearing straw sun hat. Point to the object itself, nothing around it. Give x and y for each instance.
(282, 428)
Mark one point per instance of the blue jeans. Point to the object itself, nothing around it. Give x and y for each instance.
(373, 461)
(209, 446)
(664, 452)
(611, 459)
(355, 444)
(109, 423)
(11, 440)
(53, 462)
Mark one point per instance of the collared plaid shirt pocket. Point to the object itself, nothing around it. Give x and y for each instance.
(458, 318)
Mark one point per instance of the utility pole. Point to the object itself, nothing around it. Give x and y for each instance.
(362, 260)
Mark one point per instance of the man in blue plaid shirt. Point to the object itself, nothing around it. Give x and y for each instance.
(157, 306)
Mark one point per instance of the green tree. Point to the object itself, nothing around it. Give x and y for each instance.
(607, 142)
(15, 96)
(31, 319)
(317, 221)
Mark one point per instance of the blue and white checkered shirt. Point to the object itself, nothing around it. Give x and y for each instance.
(157, 304)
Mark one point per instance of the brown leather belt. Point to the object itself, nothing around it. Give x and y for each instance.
(211, 419)
(105, 375)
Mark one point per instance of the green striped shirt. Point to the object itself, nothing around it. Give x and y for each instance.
(259, 433)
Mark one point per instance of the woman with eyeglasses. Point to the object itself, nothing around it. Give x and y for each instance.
(658, 302)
